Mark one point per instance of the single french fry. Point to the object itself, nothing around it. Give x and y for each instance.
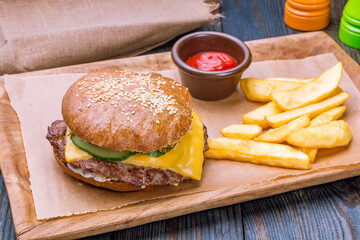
(333, 134)
(241, 131)
(257, 116)
(328, 116)
(278, 135)
(323, 118)
(271, 154)
(260, 90)
(311, 92)
(311, 152)
(313, 110)
(336, 92)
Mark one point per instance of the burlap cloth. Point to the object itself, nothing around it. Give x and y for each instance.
(40, 34)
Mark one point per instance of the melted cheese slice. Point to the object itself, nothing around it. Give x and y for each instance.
(72, 152)
(186, 158)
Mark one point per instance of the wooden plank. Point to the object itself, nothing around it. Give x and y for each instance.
(241, 15)
(328, 211)
(13, 162)
(6, 223)
(216, 223)
(289, 216)
(256, 19)
(324, 198)
(137, 214)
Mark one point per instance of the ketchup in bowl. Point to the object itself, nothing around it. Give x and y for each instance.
(211, 61)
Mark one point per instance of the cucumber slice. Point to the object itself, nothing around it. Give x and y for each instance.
(99, 152)
(158, 153)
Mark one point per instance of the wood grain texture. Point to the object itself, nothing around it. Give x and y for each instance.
(333, 28)
(329, 211)
(219, 223)
(15, 165)
(258, 19)
(6, 223)
(320, 200)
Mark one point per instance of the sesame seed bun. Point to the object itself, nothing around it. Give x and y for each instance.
(128, 111)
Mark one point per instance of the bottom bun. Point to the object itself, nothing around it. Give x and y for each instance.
(112, 184)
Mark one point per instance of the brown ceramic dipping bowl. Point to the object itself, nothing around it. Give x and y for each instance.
(210, 85)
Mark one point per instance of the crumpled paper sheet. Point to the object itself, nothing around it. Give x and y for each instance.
(37, 102)
(42, 34)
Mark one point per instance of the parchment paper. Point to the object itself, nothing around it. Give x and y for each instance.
(37, 102)
(42, 34)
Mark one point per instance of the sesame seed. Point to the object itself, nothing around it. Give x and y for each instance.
(140, 89)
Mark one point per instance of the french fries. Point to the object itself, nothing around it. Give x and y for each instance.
(328, 116)
(271, 154)
(257, 116)
(311, 152)
(292, 103)
(323, 118)
(311, 92)
(334, 134)
(241, 131)
(313, 110)
(278, 135)
(336, 92)
(260, 90)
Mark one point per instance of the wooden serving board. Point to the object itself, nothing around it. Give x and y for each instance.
(15, 172)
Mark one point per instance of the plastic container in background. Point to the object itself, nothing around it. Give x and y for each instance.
(349, 31)
(307, 15)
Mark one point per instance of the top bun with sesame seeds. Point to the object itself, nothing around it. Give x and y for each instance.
(128, 111)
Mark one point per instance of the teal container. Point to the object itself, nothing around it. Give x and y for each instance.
(349, 31)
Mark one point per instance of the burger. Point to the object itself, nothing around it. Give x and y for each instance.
(128, 131)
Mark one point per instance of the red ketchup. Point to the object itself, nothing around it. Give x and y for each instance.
(211, 61)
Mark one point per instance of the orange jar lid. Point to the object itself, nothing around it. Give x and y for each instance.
(307, 15)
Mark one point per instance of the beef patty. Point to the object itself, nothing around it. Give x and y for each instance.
(141, 176)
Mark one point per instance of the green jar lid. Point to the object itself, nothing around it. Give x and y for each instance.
(351, 20)
(349, 31)
(352, 9)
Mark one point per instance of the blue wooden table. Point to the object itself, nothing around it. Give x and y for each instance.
(329, 211)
